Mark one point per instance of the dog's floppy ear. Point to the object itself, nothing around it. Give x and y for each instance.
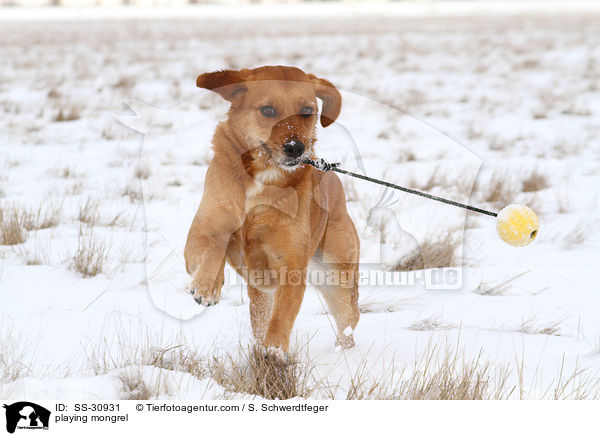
(229, 84)
(332, 100)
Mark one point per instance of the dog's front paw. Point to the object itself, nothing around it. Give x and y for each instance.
(274, 354)
(203, 295)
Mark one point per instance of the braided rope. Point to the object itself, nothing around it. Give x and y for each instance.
(322, 165)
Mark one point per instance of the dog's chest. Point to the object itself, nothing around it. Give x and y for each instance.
(261, 198)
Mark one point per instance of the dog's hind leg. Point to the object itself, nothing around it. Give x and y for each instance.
(340, 257)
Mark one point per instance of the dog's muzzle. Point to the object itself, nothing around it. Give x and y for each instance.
(293, 149)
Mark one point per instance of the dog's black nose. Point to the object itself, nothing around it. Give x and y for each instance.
(293, 148)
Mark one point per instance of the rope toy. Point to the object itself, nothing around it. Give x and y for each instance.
(516, 224)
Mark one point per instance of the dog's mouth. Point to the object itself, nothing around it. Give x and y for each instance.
(280, 160)
(292, 163)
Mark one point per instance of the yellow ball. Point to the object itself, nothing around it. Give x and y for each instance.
(517, 225)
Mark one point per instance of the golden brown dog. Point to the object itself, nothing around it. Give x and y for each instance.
(268, 214)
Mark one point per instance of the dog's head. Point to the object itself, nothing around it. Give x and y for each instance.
(275, 108)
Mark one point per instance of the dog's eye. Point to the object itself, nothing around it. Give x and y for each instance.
(268, 111)
(306, 111)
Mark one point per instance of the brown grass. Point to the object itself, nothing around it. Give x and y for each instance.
(576, 235)
(497, 288)
(133, 191)
(38, 254)
(454, 377)
(90, 255)
(499, 190)
(133, 386)
(373, 304)
(88, 212)
(437, 374)
(443, 178)
(47, 215)
(441, 372)
(563, 201)
(406, 155)
(535, 181)
(431, 323)
(142, 171)
(13, 356)
(411, 263)
(439, 250)
(124, 82)
(532, 327)
(245, 370)
(67, 114)
(65, 172)
(14, 221)
(255, 372)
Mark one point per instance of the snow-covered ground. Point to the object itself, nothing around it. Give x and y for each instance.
(510, 103)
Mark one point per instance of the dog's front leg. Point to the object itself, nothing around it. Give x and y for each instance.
(286, 305)
(219, 215)
(205, 258)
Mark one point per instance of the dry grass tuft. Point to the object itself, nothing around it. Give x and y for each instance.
(535, 182)
(66, 173)
(579, 384)
(258, 373)
(372, 304)
(142, 171)
(406, 155)
(47, 216)
(431, 323)
(439, 250)
(414, 262)
(434, 375)
(88, 212)
(133, 386)
(499, 190)
(13, 357)
(38, 253)
(564, 203)
(119, 219)
(532, 327)
(90, 255)
(445, 179)
(497, 288)
(68, 115)
(178, 358)
(245, 370)
(454, 377)
(584, 231)
(14, 221)
(133, 191)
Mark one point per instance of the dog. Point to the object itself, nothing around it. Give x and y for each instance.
(268, 214)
